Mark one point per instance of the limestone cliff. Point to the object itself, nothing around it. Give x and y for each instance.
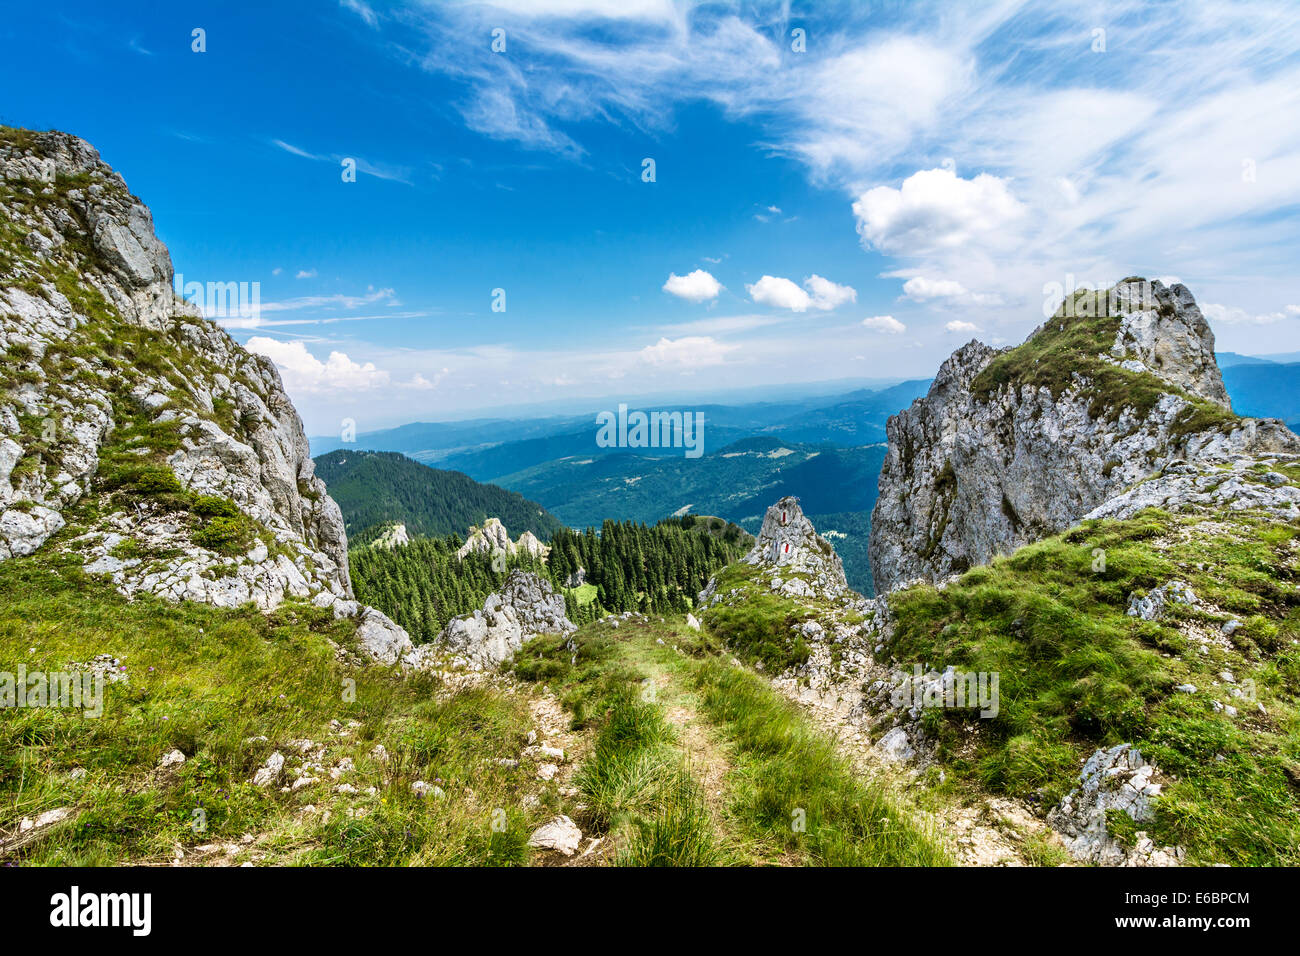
(131, 427)
(1010, 446)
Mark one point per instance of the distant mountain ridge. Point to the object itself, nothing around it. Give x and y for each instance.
(488, 448)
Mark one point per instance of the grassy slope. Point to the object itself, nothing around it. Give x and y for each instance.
(211, 682)
(207, 681)
(1078, 673)
(1066, 354)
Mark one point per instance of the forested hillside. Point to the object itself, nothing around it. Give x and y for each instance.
(375, 487)
(636, 568)
(423, 584)
(625, 567)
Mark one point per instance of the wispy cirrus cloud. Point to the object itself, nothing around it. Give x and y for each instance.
(393, 173)
(363, 10)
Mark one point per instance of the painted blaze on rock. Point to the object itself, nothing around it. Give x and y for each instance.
(789, 541)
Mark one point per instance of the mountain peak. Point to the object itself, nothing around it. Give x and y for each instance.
(1012, 445)
(142, 435)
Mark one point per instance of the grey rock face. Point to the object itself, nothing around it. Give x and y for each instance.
(489, 539)
(968, 477)
(529, 544)
(393, 537)
(1164, 332)
(1114, 779)
(805, 563)
(525, 606)
(1233, 486)
(239, 436)
(384, 640)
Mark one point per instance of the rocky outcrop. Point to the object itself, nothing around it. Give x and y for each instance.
(1162, 331)
(986, 463)
(1118, 779)
(1153, 605)
(1239, 484)
(525, 606)
(530, 545)
(491, 538)
(802, 562)
(394, 536)
(115, 388)
(385, 641)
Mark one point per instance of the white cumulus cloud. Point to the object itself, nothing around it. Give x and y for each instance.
(934, 209)
(956, 325)
(827, 295)
(779, 293)
(885, 323)
(697, 286)
(817, 293)
(302, 371)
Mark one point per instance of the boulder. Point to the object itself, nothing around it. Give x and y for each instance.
(561, 835)
(381, 638)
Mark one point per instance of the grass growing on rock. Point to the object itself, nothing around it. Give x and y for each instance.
(758, 626)
(1078, 673)
(1066, 353)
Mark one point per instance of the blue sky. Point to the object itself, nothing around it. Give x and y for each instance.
(916, 176)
